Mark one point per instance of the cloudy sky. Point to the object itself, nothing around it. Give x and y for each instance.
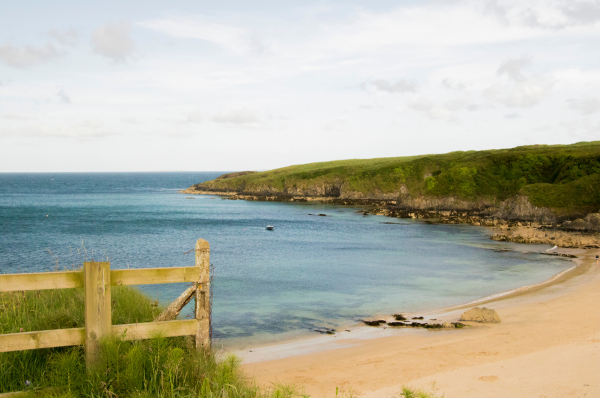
(234, 85)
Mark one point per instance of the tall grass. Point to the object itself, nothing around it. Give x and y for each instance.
(159, 367)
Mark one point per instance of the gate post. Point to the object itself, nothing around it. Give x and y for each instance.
(97, 307)
(202, 312)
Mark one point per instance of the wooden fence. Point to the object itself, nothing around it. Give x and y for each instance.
(97, 278)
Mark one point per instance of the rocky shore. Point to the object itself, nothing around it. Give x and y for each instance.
(513, 220)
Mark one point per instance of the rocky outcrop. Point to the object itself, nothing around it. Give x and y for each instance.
(590, 223)
(550, 235)
(481, 314)
(515, 219)
(519, 208)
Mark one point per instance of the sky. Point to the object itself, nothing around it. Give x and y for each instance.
(235, 85)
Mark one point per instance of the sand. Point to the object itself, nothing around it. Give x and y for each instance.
(547, 345)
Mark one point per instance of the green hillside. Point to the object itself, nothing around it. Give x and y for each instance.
(563, 177)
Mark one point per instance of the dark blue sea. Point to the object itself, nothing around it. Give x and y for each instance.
(268, 286)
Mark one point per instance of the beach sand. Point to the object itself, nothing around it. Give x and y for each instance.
(547, 345)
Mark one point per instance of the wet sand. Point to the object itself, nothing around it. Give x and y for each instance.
(547, 345)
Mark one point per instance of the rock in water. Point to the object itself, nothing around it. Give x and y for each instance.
(483, 315)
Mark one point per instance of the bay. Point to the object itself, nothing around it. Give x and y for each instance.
(311, 271)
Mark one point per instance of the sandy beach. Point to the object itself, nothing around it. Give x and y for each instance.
(547, 345)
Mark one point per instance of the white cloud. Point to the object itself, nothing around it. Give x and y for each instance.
(237, 116)
(401, 86)
(335, 124)
(586, 106)
(453, 84)
(113, 40)
(582, 129)
(66, 38)
(513, 68)
(430, 110)
(16, 116)
(545, 14)
(83, 130)
(63, 97)
(519, 90)
(195, 116)
(523, 94)
(232, 38)
(26, 56)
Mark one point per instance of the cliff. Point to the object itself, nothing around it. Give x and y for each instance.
(547, 184)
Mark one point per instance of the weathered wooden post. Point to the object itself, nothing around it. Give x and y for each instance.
(203, 295)
(97, 307)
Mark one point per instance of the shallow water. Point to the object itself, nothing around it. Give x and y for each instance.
(309, 272)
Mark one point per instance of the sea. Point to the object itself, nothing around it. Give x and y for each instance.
(310, 272)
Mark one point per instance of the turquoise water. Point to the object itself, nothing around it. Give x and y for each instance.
(269, 285)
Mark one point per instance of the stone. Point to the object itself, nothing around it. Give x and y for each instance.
(374, 323)
(397, 324)
(447, 325)
(592, 222)
(481, 314)
(399, 317)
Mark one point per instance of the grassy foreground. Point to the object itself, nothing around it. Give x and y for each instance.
(159, 367)
(565, 178)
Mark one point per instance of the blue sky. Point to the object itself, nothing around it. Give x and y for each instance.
(232, 85)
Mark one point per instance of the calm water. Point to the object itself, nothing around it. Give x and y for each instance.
(269, 285)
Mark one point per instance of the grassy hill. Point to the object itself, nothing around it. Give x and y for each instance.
(565, 178)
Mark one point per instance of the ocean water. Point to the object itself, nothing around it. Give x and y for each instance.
(268, 286)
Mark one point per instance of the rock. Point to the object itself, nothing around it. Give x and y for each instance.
(397, 324)
(322, 215)
(433, 326)
(418, 317)
(374, 323)
(592, 222)
(458, 325)
(578, 225)
(480, 314)
(399, 317)
(325, 330)
(447, 325)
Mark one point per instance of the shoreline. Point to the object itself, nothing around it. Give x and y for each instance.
(581, 282)
(301, 345)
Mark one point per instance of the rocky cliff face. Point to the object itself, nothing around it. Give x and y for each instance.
(515, 211)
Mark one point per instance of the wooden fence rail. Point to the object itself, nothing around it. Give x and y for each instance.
(97, 279)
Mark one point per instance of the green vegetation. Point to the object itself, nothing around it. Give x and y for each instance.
(159, 367)
(562, 177)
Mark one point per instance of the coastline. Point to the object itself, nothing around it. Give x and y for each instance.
(291, 347)
(303, 362)
(540, 322)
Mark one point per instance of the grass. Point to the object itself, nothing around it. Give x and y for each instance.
(562, 177)
(158, 367)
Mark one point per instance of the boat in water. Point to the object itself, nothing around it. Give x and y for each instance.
(270, 227)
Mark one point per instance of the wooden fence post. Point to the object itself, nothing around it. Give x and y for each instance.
(203, 295)
(97, 307)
